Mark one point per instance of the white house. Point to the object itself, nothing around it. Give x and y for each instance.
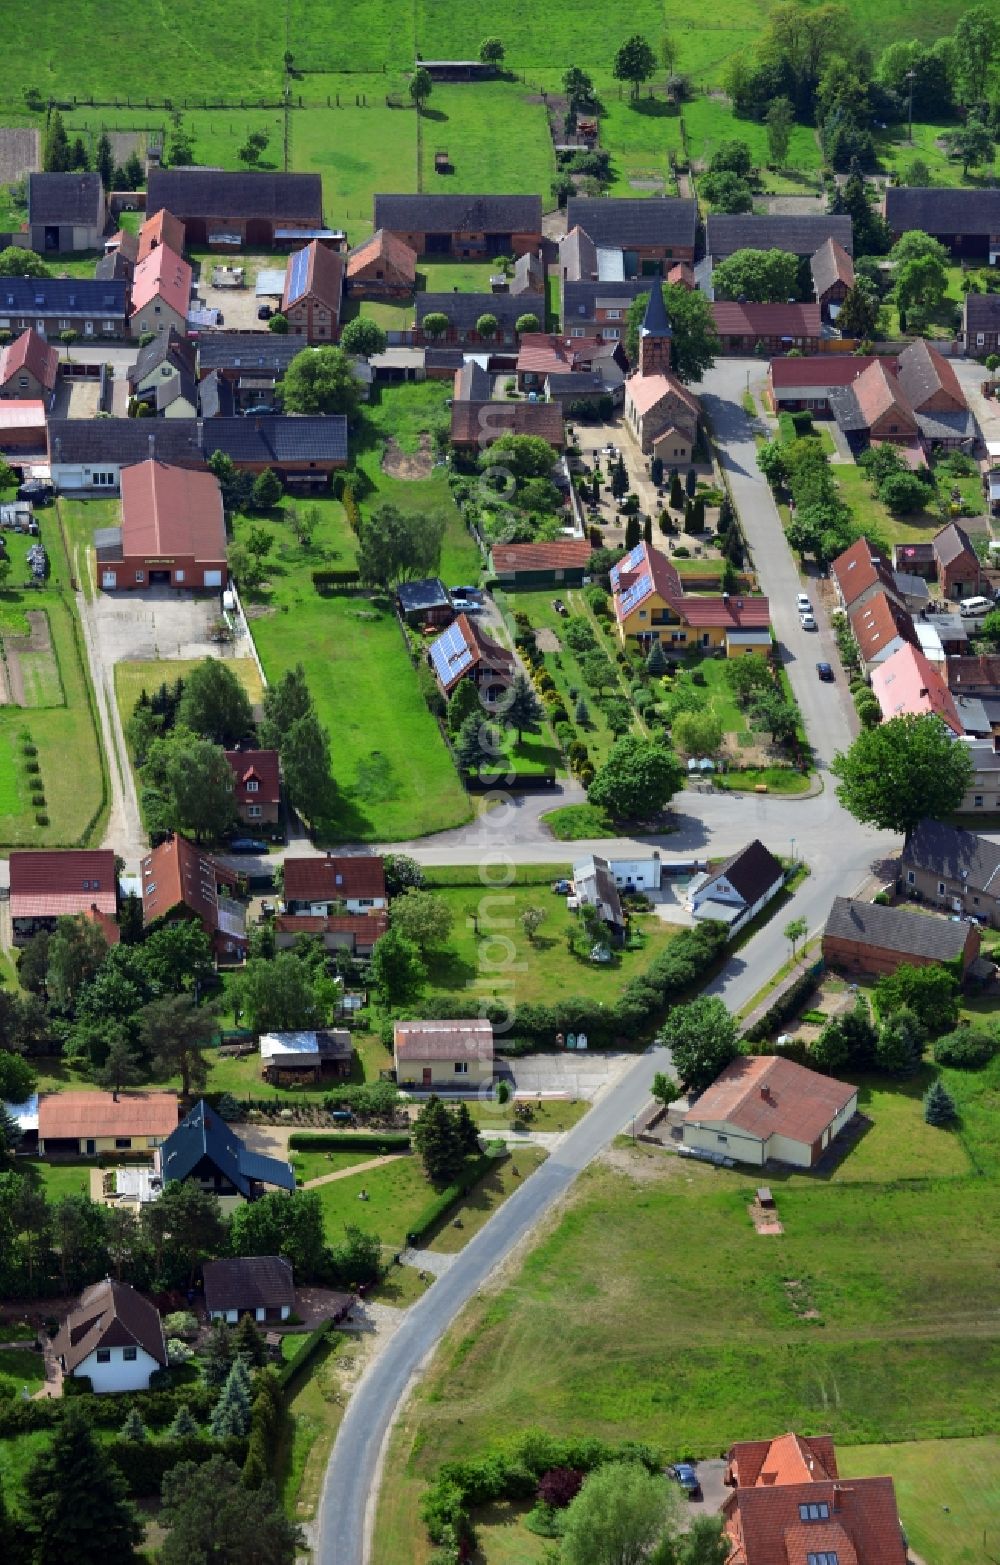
(114, 1337)
(736, 893)
(637, 874)
(259, 1285)
(763, 1108)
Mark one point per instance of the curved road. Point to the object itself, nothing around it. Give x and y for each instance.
(840, 854)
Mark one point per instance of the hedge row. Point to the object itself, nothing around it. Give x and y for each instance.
(142, 1463)
(512, 1472)
(335, 578)
(436, 1209)
(308, 1351)
(349, 1141)
(786, 1005)
(157, 1409)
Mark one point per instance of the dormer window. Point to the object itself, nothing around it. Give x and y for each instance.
(815, 1511)
(253, 786)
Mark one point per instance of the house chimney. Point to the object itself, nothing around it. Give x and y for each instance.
(59, 448)
(765, 1093)
(152, 447)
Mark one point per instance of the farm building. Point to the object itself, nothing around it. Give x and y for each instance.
(23, 429)
(384, 267)
(561, 563)
(86, 1124)
(765, 1109)
(259, 1285)
(66, 212)
(229, 210)
(29, 368)
(113, 1338)
(800, 234)
(475, 425)
(454, 1055)
(649, 231)
(60, 883)
(464, 310)
(767, 328)
(172, 533)
(298, 1054)
(966, 222)
(314, 288)
(468, 226)
(863, 937)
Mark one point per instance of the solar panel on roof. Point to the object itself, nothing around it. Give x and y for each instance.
(450, 655)
(635, 594)
(298, 272)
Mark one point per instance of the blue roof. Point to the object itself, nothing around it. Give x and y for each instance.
(203, 1133)
(655, 322)
(298, 275)
(640, 588)
(628, 563)
(450, 655)
(62, 296)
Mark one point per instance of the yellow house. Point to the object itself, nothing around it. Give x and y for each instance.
(651, 605)
(88, 1123)
(456, 1055)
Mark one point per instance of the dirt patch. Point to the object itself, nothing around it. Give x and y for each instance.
(409, 465)
(794, 206)
(646, 184)
(800, 1299)
(765, 1219)
(20, 154)
(31, 667)
(641, 1162)
(546, 640)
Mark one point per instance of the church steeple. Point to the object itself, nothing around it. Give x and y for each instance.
(655, 335)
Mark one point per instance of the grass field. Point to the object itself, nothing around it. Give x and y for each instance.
(474, 128)
(60, 1179)
(881, 1335)
(948, 1492)
(312, 1419)
(131, 679)
(24, 1366)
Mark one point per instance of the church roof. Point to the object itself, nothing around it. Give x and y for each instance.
(655, 322)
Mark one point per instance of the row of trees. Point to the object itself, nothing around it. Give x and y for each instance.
(60, 155)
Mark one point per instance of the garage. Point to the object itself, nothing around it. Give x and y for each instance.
(172, 531)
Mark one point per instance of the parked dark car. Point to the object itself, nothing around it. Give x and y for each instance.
(265, 312)
(825, 673)
(246, 845)
(684, 1474)
(36, 490)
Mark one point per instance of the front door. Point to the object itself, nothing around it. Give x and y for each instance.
(428, 1076)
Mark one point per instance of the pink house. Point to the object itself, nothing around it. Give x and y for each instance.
(907, 685)
(161, 293)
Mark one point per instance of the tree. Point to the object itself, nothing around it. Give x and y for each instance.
(760, 276)
(231, 1415)
(422, 917)
(176, 958)
(928, 993)
(248, 1342)
(939, 1106)
(395, 546)
(795, 930)
(278, 323)
(397, 968)
(695, 339)
(656, 661)
(907, 768)
(477, 744)
(420, 88)
(284, 703)
(73, 1500)
(213, 1520)
(859, 311)
(665, 1089)
(903, 493)
(619, 1514)
(532, 920)
(75, 953)
(358, 1260)
(637, 781)
(191, 1223)
(899, 1048)
(435, 324)
(520, 707)
(491, 51)
(278, 995)
(254, 147)
(702, 1038)
(180, 148)
(920, 286)
(17, 1077)
(182, 1426)
(305, 761)
(279, 1224)
(771, 713)
(779, 120)
(634, 63)
(174, 1032)
(578, 87)
(732, 157)
(676, 497)
(215, 705)
(267, 490)
(104, 161)
(13, 1539)
(363, 337)
(435, 1136)
(22, 263)
(727, 192)
(971, 143)
(977, 39)
(245, 567)
(197, 781)
(10, 1138)
(526, 323)
(56, 157)
(581, 713)
(526, 456)
(320, 380)
(696, 733)
(133, 1428)
(121, 1066)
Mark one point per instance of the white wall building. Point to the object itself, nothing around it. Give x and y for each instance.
(114, 1338)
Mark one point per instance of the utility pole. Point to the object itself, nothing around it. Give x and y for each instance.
(909, 77)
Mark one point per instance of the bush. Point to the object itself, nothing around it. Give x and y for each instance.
(335, 578)
(350, 1141)
(786, 1006)
(32, 768)
(287, 1373)
(143, 1463)
(965, 1049)
(41, 819)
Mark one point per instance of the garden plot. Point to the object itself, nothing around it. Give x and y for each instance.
(30, 666)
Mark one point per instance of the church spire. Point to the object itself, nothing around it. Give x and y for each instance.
(655, 335)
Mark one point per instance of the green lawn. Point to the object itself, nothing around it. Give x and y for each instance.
(131, 679)
(900, 1144)
(710, 121)
(313, 1415)
(314, 1165)
(948, 1492)
(577, 822)
(61, 1179)
(24, 1366)
(776, 779)
(474, 128)
(547, 1114)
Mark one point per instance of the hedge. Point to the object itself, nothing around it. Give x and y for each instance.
(288, 1372)
(785, 1006)
(142, 1463)
(157, 1409)
(336, 578)
(350, 1141)
(436, 1209)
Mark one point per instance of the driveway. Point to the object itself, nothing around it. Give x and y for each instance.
(158, 623)
(575, 1074)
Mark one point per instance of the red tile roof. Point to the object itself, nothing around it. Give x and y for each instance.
(333, 879)
(732, 613)
(77, 1114)
(163, 228)
(877, 623)
(485, 653)
(323, 279)
(177, 874)
(790, 1458)
(879, 395)
(260, 766)
(733, 319)
(171, 511)
(765, 1095)
(447, 1040)
(363, 926)
(541, 354)
(544, 419)
(818, 369)
(61, 882)
(645, 391)
(907, 684)
(32, 353)
(162, 275)
(23, 415)
(858, 569)
(384, 246)
(562, 554)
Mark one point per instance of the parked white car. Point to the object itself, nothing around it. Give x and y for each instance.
(802, 604)
(807, 621)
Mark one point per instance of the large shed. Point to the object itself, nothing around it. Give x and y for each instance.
(173, 531)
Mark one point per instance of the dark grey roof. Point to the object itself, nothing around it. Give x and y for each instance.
(653, 220)
(752, 871)
(529, 275)
(896, 929)
(846, 409)
(443, 358)
(578, 383)
(655, 322)
(72, 296)
(203, 1133)
(726, 233)
(580, 299)
(114, 267)
(448, 214)
(109, 1314)
(464, 309)
(182, 385)
(165, 345)
(66, 198)
(260, 351)
(954, 855)
(216, 395)
(940, 210)
(416, 596)
(269, 438)
(211, 193)
(473, 383)
(947, 426)
(982, 313)
(248, 1282)
(951, 543)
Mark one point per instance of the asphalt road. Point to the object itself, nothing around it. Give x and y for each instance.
(840, 854)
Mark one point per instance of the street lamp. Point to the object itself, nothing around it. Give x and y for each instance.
(910, 77)
(793, 852)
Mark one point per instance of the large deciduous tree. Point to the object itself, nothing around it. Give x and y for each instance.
(619, 1516)
(702, 1038)
(908, 768)
(422, 917)
(634, 63)
(695, 340)
(363, 337)
(279, 995)
(397, 546)
(320, 380)
(639, 777)
(214, 703)
(761, 276)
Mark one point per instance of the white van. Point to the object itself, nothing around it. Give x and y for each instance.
(971, 607)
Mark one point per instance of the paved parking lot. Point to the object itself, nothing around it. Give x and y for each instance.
(574, 1074)
(158, 623)
(238, 305)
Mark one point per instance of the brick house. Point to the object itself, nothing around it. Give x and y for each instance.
(832, 272)
(161, 293)
(56, 304)
(957, 871)
(227, 210)
(875, 407)
(463, 310)
(803, 385)
(181, 881)
(257, 786)
(66, 212)
(61, 883)
(464, 651)
(384, 267)
(320, 886)
(862, 937)
(314, 289)
(163, 228)
(949, 559)
(648, 231)
(29, 369)
(475, 425)
(763, 1109)
(859, 573)
(788, 1503)
(767, 328)
(352, 932)
(599, 309)
(880, 627)
(172, 533)
(966, 222)
(472, 227)
(981, 324)
(252, 363)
